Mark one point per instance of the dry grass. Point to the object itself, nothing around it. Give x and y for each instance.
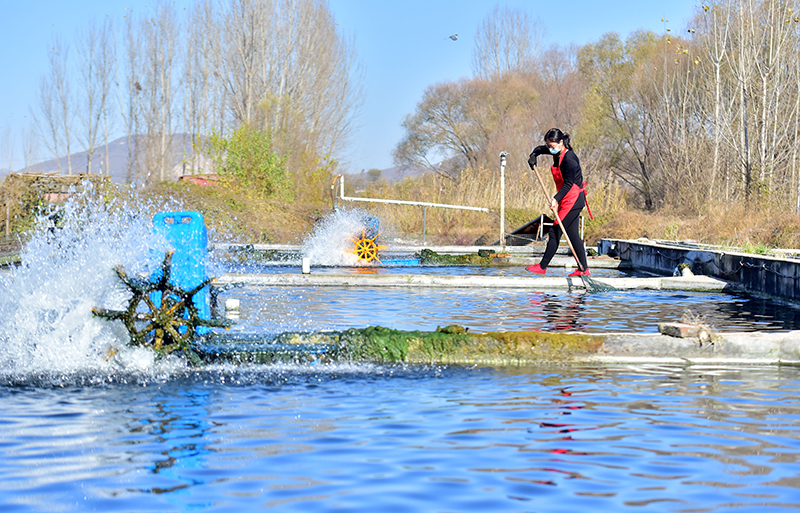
(728, 224)
(233, 216)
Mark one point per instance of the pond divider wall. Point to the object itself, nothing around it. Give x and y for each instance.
(689, 283)
(455, 345)
(757, 274)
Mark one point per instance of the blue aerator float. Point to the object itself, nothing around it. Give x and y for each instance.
(171, 307)
(186, 233)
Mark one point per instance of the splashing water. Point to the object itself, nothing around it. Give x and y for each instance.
(332, 242)
(46, 323)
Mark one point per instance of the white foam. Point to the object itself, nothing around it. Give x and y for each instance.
(46, 321)
(333, 240)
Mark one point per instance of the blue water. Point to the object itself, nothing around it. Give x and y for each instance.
(272, 310)
(367, 438)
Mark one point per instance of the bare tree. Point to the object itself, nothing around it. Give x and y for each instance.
(795, 172)
(7, 149)
(160, 37)
(243, 25)
(506, 41)
(95, 66)
(715, 26)
(130, 94)
(200, 94)
(619, 105)
(467, 123)
(442, 128)
(321, 81)
(285, 67)
(107, 62)
(282, 66)
(45, 120)
(56, 110)
(770, 67)
(30, 146)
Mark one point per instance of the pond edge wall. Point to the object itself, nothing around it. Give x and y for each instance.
(757, 274)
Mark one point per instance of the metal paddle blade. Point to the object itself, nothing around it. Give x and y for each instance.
(596, 286)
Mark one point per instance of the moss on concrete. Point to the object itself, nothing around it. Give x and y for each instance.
(430, 257)
(9, 260)
(450, 344)
(455, 345)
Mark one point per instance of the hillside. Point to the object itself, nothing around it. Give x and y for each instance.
(118, 154)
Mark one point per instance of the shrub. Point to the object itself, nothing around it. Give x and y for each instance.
(246, 160)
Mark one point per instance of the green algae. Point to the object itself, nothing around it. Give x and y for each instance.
(447, 345)
(430, 257)
(9, 260)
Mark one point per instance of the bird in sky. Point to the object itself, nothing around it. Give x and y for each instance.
(454, 37)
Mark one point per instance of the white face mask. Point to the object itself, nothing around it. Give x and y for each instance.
(555, 151)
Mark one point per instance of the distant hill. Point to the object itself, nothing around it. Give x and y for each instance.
(392, 175)
(117, 160)
(399, 173)
(181, 143)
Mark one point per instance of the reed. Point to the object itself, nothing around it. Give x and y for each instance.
(480, 188)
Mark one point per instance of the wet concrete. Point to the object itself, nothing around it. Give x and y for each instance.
(732, 348)
(689, 283)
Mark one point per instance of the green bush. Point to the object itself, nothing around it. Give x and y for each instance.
(246, 159)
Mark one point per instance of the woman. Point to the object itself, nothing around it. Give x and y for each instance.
(568, 201)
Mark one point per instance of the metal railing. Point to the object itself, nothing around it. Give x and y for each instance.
(422, 204)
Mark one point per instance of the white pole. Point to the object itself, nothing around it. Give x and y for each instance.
(503, 156)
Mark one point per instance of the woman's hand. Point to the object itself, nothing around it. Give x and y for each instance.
(539, 150)
(553, 205)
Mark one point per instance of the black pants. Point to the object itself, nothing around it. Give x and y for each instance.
(572, 225)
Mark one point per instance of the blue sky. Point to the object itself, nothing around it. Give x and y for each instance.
(403, 47)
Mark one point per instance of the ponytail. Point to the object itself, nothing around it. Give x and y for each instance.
(555, 135)
(566, 142)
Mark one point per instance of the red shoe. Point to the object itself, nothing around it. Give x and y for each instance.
(577, 272)
(536, 268)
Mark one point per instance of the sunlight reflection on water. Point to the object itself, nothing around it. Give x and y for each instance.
(276, 309)
(373, 438)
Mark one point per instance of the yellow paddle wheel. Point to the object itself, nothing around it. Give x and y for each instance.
(366, 248)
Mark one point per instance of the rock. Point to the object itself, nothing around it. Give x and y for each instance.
(679, 329)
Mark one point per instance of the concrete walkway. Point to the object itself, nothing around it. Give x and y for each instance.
(748, 348)
(692, 283)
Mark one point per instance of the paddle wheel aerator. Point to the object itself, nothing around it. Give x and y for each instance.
(161, 315)
(366, 248)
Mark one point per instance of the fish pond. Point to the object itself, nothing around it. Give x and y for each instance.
(91, 424)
